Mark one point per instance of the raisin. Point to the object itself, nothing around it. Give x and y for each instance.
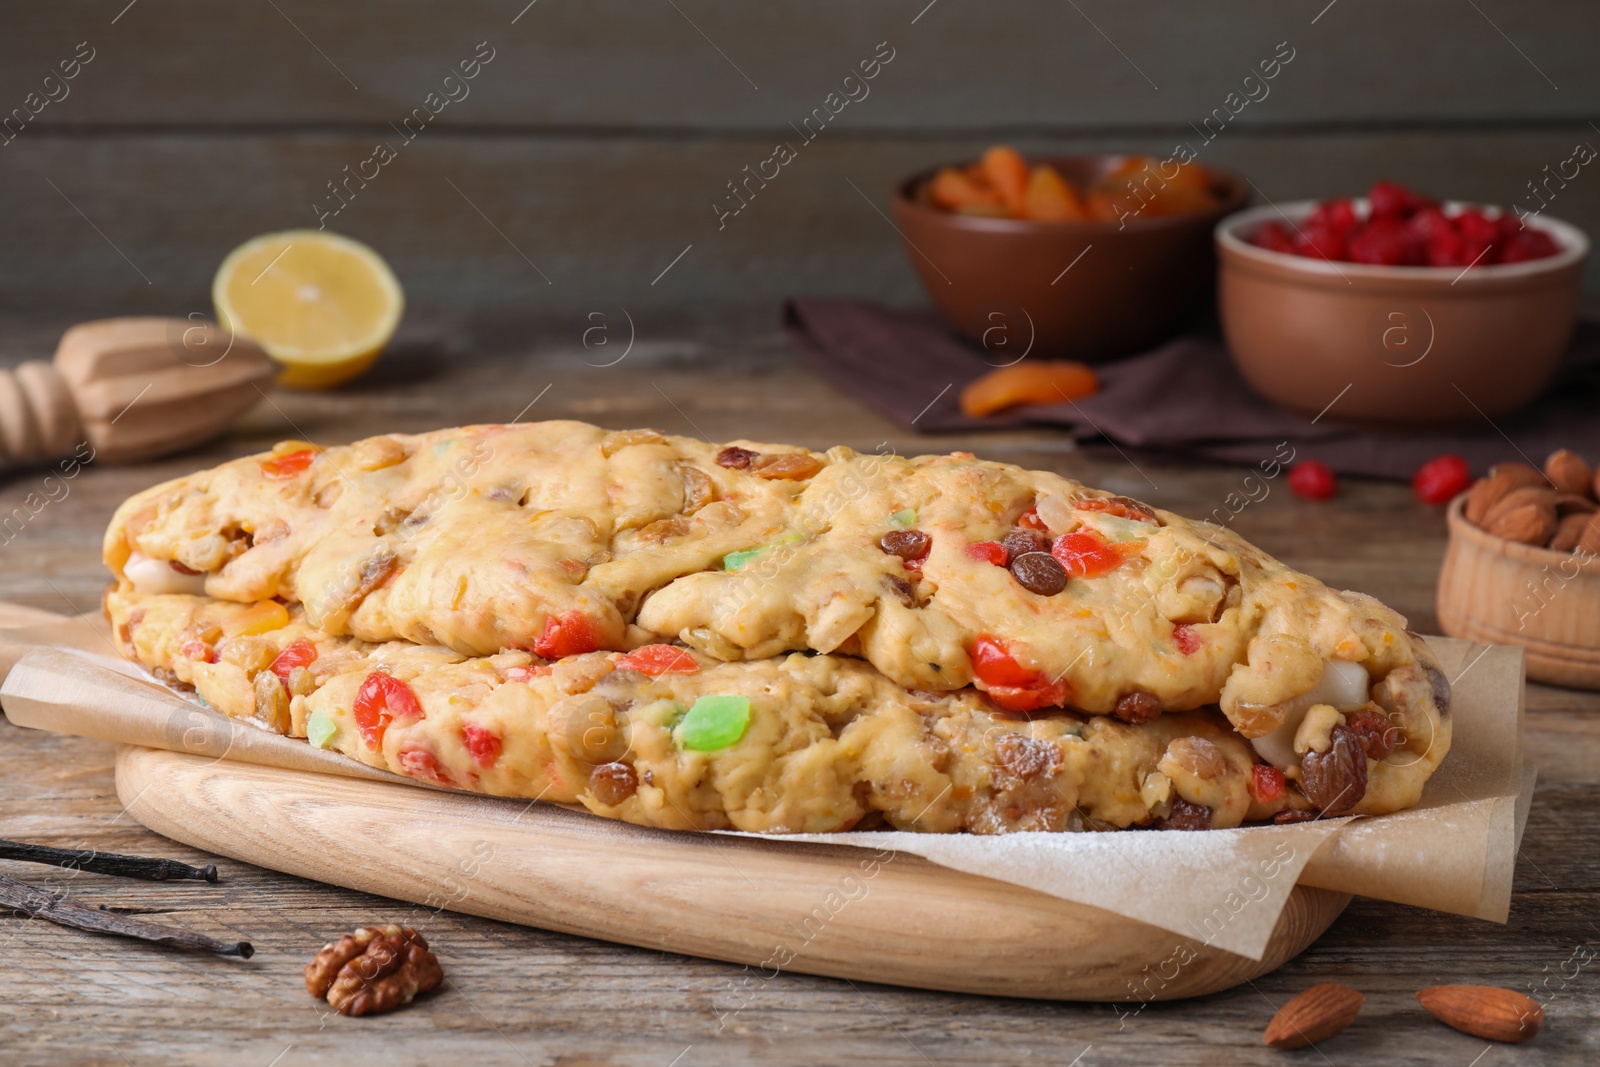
(1336, 780)
(1136, 509)
(791, 467)
(1186, 816)
(1137, 707)
(664, 530)
(1124, 507)
(698, 489)
(1038, 572)
(1377, 733)
(389, 521)
(735, 457)
(903, 590)
(1441, 688)
(1294, 815)
(907, 544)
(1020, 542)
(181, 568)
(375, 569)
(1026, 757)
(612, 783)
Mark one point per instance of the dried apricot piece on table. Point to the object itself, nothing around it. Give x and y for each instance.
(1046, 382)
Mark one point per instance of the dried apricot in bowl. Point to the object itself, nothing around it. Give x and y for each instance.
(1043, 382)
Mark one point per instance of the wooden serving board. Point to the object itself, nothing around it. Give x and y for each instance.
(830, 910)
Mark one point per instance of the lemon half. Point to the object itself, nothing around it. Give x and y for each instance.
(322, 305)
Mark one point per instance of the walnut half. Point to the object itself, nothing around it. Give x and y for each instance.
(373, 970)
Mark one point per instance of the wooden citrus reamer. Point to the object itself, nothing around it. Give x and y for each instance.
(131, 388)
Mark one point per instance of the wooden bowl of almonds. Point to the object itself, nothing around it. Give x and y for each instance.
(1523, 567)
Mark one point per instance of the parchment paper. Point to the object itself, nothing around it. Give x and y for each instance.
(1455, 852)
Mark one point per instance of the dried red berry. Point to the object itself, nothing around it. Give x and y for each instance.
(1274, 237)
(1388, 243)
(1441, 479)
(1313, 481)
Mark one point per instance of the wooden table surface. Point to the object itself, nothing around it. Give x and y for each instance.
(524, 996)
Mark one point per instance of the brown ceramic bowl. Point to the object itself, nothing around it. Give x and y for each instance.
(1498, 592)
(1018, 286)
(1395, 347)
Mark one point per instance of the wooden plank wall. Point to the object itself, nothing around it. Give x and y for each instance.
(589, 150)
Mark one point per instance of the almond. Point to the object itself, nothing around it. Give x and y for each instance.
(1570, 531)
(1489, 491)
(1569, 473)
(1566, 504)
(1589, 542)
(1315, 1015)
(1484, 494)
(1526, 515)
(1521, 473)
(1484, 1011)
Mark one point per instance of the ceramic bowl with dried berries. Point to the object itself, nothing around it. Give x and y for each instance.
(1408, 312)
(1523, 567)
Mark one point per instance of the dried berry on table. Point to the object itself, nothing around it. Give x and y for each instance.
(373, 970)
(1312, 480)
(1441, 479)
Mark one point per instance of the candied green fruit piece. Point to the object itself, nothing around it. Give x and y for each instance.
(734, 560)
(714, 722)
(321, 729)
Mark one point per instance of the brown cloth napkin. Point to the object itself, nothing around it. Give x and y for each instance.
(1183, 398)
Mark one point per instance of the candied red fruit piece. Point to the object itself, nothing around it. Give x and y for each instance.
(382, 699)
(658, 659)
(297, 653)
(571, 634)
(484, 744)
(1267, 783)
